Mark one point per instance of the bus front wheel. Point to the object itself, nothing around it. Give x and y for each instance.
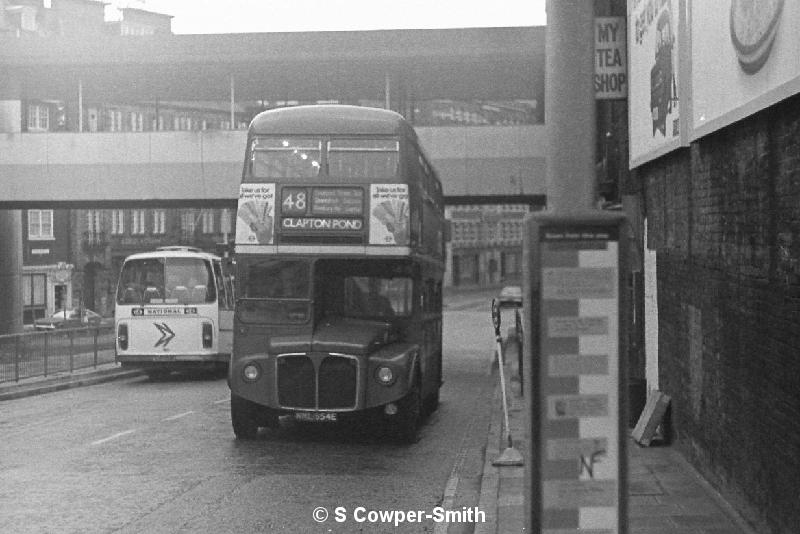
(244, 417)
(409, 416)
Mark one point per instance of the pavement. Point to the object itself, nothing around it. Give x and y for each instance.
(666, 495)
(38, 385)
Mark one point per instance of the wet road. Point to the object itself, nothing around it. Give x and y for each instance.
(160, 456)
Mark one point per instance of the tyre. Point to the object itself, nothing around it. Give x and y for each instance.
(432, 401)
(409, 415)
(244, 417)
(269, 419)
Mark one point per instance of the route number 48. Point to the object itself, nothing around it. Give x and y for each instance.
(294, 200)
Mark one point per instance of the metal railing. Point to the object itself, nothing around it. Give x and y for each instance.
(44, 353)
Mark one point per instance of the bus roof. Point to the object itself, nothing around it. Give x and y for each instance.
(173, 252)
(330, 119)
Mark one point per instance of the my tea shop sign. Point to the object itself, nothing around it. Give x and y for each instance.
(610, 58)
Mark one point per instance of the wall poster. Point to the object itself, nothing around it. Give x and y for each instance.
(744, 58)
(658, 89)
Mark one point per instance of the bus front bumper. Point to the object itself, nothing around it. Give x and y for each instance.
(170, 358)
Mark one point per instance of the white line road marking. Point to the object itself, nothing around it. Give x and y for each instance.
(222, 401)
(114, 436)
(448, 498)
(173, 417)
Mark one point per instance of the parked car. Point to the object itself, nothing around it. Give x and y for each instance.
(510, 296)
(73, 318)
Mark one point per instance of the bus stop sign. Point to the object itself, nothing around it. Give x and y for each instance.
(576, 380)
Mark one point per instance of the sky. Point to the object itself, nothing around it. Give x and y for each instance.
(250, 16)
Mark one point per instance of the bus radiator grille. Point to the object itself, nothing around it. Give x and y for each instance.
(296, 382)
(338, 378)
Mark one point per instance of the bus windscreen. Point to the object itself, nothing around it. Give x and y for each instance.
(274, 291)
(166, 281)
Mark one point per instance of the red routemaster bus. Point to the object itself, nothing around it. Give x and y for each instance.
(339, 261)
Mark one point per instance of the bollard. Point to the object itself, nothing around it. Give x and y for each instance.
(518, 336)
(510, 456)
(71, 335)
(46, 351)
(16, 359)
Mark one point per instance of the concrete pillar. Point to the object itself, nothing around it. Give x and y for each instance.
(10, 220)
(80, 105)
(387, 91)
(570, 106)
(11, 271)
(233, 104)
(10, 100)
(10, 114)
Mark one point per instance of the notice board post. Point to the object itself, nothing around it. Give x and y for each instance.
(576, 380)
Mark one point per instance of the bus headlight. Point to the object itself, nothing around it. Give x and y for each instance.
(122, 336)
(251, 372)
(384, 375)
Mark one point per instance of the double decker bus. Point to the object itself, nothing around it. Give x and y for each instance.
(339, 262)
(174, 311)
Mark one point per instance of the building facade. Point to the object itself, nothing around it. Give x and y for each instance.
(47, 281)
(485, 245)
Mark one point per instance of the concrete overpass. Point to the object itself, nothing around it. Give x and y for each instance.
(204, 168)
(486, 63)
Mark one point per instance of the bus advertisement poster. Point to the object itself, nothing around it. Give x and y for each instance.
(389, 214)
(255, 214)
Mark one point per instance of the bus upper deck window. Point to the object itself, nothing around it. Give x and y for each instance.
(285, 157)
(363, 158)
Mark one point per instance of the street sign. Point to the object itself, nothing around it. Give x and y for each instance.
(610, 58)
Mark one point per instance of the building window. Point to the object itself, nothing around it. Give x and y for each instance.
(117, 222)
(40, 224)
(225, 222)
(94, 221)
(38, 118)
(159, 222)
(137, 222)
(94, 227)
(207, 221)
(137, 121)
(115, 121)
(188, 223)
(34, 297)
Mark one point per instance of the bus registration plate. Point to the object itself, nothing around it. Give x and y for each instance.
(315, 417)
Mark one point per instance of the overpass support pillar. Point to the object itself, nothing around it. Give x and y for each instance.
(10, 223)
(570, 106)
(10, 271)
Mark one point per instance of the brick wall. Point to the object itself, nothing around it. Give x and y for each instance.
(724, 218)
